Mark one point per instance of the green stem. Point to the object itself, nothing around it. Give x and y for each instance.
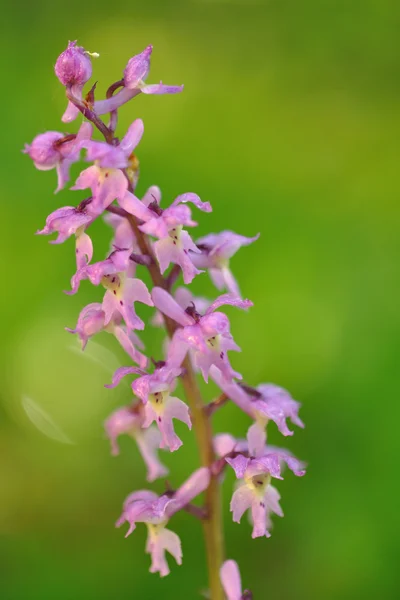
(212, 526)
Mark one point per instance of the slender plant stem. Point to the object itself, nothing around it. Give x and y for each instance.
(212, 524)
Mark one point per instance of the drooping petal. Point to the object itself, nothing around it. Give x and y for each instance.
(62, 169)
(176, 409)
(123, 420)
(241, 501)
(148, 441)
(260, 521)
(157, 543)
(71, 112)
(229, 281)
(135, 290)
(217, 275)
(272, 497)
(232, 390)
(132, 137)
(84, 250)
(90, 322)
(126, 343)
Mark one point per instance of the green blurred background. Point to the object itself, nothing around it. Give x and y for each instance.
(289, 125)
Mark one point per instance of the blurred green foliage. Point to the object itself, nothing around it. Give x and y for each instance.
(288, 125)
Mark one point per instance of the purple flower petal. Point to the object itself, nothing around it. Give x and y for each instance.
(192, 487)
(73, 66)
(169, 307)
(135, 207)
(239, 464)
(122, 372)
(256, 437)
(229, 299)
(241, 501)
(126, 343)
(194, 199)
(132, 137)
(137, 68)
(148, 441)
(230, 579)
(160, 88)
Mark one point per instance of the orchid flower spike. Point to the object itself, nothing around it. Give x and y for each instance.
(145, 235)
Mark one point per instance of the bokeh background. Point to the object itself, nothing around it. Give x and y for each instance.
(289, 125)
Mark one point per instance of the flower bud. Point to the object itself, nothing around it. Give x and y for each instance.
(73, 66)
(43, 150)
(137, 68)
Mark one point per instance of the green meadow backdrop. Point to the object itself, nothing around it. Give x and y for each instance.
(289, 125)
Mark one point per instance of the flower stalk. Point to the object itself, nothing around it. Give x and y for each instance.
(146, 235)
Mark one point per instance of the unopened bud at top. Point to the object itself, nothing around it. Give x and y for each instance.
(137, 68)
(73, 66)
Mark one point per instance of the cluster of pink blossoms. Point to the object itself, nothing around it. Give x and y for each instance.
(147, 235)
